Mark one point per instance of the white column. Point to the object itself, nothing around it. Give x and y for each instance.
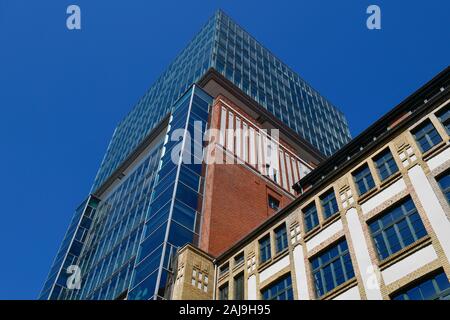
(251, 286)
(300, 274)
(223, 126)
(430, 204)
(369, 272)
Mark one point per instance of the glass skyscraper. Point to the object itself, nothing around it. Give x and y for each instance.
(126, 232)
(226, 47)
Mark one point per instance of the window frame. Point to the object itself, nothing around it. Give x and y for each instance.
(237, 259)
(406, 216)
(445, 122)
(328, 203)
(224, 269)
(314, 215)
(269, 198)
(239, 279)
(445, 190)
(284, 238)
(364, 179)
(378, 166)
(341, 256)
(221, 289)
(420, 128)
(267, 249)
(438, 292)
(287, 290)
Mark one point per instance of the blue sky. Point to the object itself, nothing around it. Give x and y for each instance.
(62, 92)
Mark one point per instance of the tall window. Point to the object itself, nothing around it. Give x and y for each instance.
(264, 249)
(332, 268)
(279, 290)
(385, 164)
(239, 287)
(223, 292)
(435, 287)
(399, 227)
(310, 216)
(281, 239)
(426, 136)
(444, 183)
(363, 179)
(329, 203)
(444, 117)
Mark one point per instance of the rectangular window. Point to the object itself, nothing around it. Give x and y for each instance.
(363, 179)
(279, 290)
(444, 117)
(224, 269)
(444, 183)
(397, 228)
(329, 204)
(281, 239)
(223, 292)
(239, 287)
(310, 216)
(332, 268)
(385, 164)
(426, 136)
(436, 287)
(239, 259)
(264, 249)
(273, 203)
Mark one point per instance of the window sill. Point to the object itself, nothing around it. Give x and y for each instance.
(335, 217)
(238, 266)
(363, 198)
(311, 233)
(223, 276)
(406, 251)
(339, 289)
(390, 180)
(317, 229)
(435, 150)
(276, 258)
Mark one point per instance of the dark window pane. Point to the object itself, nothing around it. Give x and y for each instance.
(444, 117)
(239, 287)
(223, 292)
(363, 179)
(433, 287)
(279, 290)
(264, 249)
(281, 239)
(426, 136)
(397, 228)
(444, 183)
(310, 216)
(332, 268)
(329, 204)
(385, 164)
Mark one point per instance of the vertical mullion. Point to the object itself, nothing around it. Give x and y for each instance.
(413, 232)
(386, 241)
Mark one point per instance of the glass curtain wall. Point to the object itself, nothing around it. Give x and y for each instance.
(174, 214)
